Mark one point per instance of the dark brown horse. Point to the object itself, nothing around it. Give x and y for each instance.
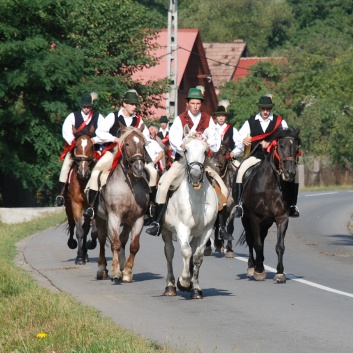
(123, 202)
(223, 165)
(75, 198)
(266, 199)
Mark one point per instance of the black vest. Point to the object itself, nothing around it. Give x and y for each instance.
(256, 130)
(115, 129)
(86, 129)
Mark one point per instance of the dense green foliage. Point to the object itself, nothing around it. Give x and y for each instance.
(53, 51)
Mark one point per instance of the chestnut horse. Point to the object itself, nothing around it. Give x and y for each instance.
(75, 198)
(123, 202)
(266, 199)
(223, 165)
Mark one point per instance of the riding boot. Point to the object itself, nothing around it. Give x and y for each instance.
(155, 227)
(294, 210)
(238, 210)
(93, 204)
(223, 234)
(59, 201)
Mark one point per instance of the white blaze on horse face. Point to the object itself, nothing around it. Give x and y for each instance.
(84, 144)
(136, 139)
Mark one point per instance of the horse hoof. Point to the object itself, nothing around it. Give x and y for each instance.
(250, 272)
(279, 278)
(102, 274)
(230, 255)
(207, 251)
(170, 291)
(72, 244)
(91, 244)
(220, 250)
(197, 294)
(260, 276)
(80, 261)
(182, 288)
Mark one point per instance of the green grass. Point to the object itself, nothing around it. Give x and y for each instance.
(27, 309)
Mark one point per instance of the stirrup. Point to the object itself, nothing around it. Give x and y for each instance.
(153, 229)
(89, 213)
(294, 211)
(238, 212)
(59, 201)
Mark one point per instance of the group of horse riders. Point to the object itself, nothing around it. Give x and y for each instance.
(255, 133)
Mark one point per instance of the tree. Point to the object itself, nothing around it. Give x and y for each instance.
(53, 51)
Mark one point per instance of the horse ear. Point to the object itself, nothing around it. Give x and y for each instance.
(186, 130)
(122, 127)
(142, 127)
(91, 131)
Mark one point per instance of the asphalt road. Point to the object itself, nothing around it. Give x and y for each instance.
(312, 312)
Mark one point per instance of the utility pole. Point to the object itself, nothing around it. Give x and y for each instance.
(172, 67)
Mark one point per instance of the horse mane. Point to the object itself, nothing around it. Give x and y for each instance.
(182, 172)
(129, 131)
(280, 133)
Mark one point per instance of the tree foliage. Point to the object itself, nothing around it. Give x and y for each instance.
(53, 51)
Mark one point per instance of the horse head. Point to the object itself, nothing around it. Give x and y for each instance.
(221, 158)
(195, 148)
(83, 153)
(285, 148)
(133, 142)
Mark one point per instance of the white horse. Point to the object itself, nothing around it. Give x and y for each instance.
(190, 216)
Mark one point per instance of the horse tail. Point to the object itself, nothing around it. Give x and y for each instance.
(242, 238)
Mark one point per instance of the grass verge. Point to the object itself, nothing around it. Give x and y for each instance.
(35, 319)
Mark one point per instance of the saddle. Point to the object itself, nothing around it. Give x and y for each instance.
(221, 198)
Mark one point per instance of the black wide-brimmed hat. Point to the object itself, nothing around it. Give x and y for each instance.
(265, 102)
(163, 119)
(86, 100)
(131, 97)
(221, 110)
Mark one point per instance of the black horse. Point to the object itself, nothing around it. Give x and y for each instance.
(223, 165)
(267, 194)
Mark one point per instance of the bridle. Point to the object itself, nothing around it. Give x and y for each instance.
(277, 154)
(224, 167)
(189, 167)
(134, 158)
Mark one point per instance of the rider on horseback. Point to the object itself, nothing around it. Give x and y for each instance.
(256, 134)
(83, 119)
(108, 133)
(197, 121)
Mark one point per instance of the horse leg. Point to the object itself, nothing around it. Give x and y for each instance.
(127, 265)
(92, 243)
(208, 249)
(114, 231)
(218, 243)
(229, 250)
(184, 282)
(280, 248)
(80, 235)
(197, 260)
(170, 289)
(71, 243)
(250, 242)
(259, 236)
(102, 272)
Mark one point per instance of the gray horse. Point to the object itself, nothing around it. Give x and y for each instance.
(123, 202)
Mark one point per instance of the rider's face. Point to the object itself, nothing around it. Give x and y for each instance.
(194, 106)
(86, 110)
(130, 108)
(265, 112)
(221, 119)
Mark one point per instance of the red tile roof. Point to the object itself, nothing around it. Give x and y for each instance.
(223, 59)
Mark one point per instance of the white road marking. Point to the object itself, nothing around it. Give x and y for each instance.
(322, 194)
(308, 283)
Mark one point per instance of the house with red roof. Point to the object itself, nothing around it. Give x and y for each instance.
(192, 70)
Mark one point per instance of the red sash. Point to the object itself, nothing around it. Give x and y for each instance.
(224, 131)
(263, 136)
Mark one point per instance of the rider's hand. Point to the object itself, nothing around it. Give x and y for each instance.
(118, 141)
(264, 144)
